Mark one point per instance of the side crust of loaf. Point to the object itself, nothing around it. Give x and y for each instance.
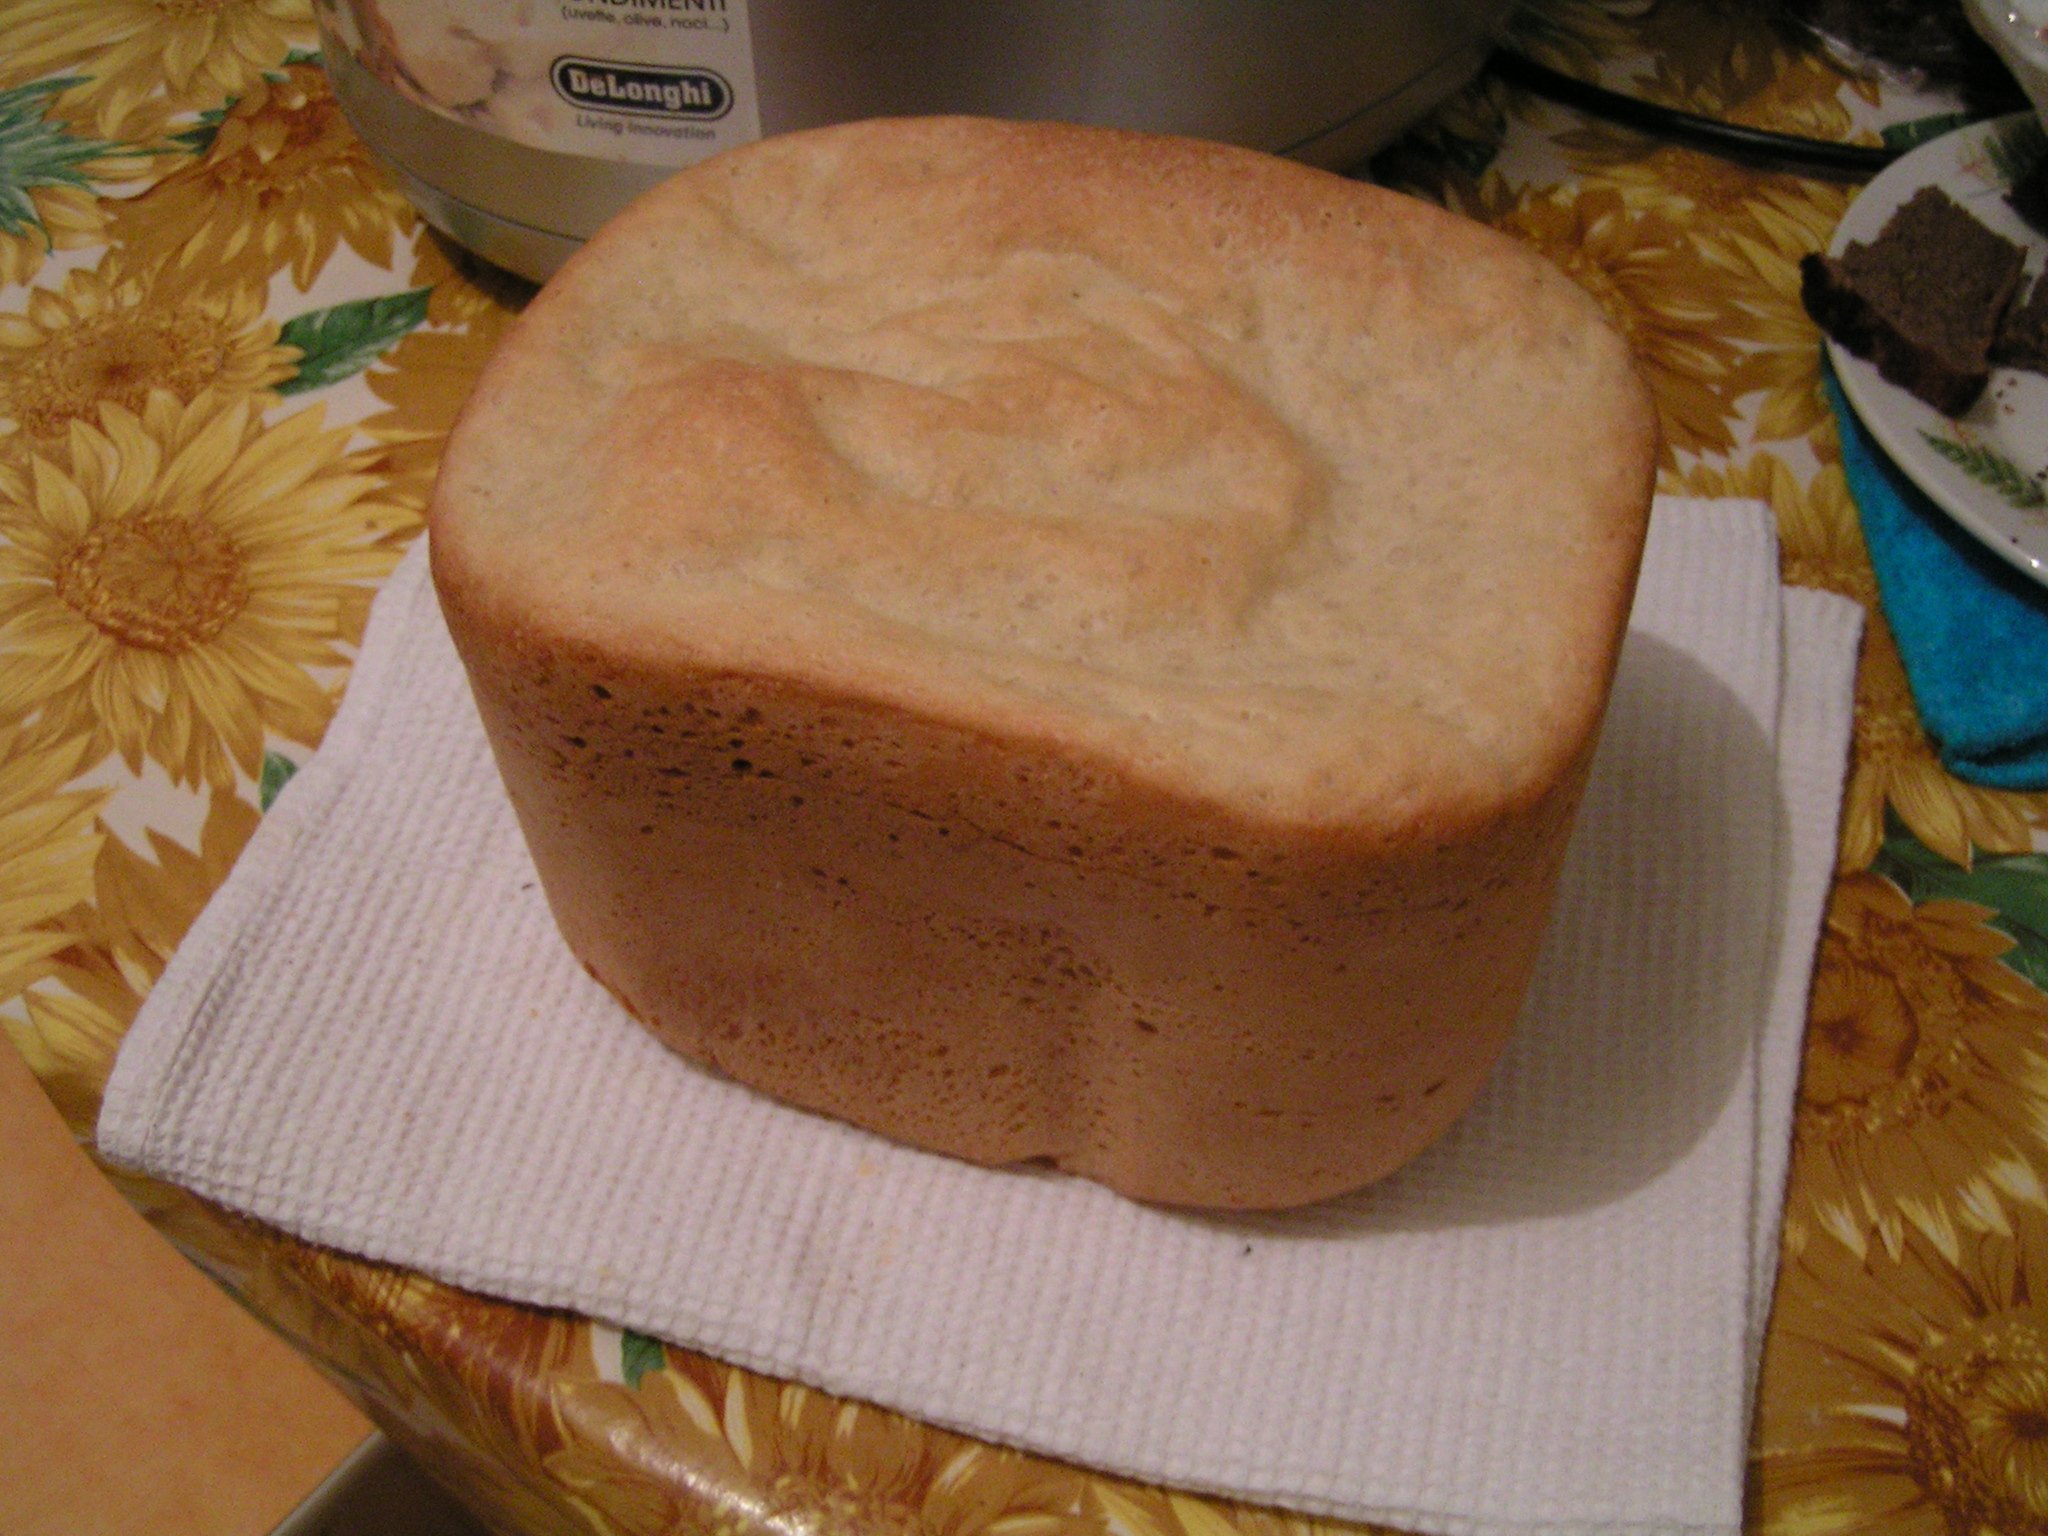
(1191, 870)
(994, 950)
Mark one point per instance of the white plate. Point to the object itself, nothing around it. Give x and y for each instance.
(1988, 469)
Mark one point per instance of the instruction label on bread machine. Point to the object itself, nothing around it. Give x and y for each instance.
(664, 82)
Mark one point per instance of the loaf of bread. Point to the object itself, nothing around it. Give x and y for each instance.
(1055, 644)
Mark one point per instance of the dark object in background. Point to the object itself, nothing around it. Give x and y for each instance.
(1736, 141)
(2029, 195)
(2023, 337)
(1913, 39)
(1923, 42)
(1923, 301)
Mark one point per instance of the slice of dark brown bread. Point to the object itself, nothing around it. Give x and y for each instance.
(1922, 301)
(2023, 336)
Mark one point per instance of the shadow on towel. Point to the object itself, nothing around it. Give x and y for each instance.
(1600, 1091)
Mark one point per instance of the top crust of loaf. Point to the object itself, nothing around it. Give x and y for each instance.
(1270, 490)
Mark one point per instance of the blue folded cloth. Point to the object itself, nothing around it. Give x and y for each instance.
(1972, 631)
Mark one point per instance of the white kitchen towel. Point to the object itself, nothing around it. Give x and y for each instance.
(374, 1038)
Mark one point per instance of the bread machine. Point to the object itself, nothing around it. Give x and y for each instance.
(519, 126)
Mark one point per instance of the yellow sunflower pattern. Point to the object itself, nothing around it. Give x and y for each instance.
(1926, 1086)
(102, 950)
(114, 335)
(49, 174)
(170, 585)
(204, 473)
(131, 65)
(1907, 1395)
(48, 842)
(281, 181)
(775, 1456)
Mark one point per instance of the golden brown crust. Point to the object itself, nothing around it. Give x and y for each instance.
(1063, 430)
(1055, 644)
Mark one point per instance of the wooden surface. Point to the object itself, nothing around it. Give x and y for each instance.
(134, 1395)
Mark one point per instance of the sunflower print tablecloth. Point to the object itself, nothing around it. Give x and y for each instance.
(229, 352)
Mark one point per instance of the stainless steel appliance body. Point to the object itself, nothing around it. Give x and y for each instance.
(519, 126)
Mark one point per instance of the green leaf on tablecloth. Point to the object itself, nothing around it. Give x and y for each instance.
(1473, 156)
(1901, 137)
(342, 341)
(198, 139)
(2014, 148)
(2013, 885)
(638, 1354)
(35, 152)
(2030, 959)
(277, 772)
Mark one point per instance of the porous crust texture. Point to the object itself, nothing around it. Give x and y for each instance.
(1055, 644)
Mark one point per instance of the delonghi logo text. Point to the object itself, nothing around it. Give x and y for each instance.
(651, 89)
